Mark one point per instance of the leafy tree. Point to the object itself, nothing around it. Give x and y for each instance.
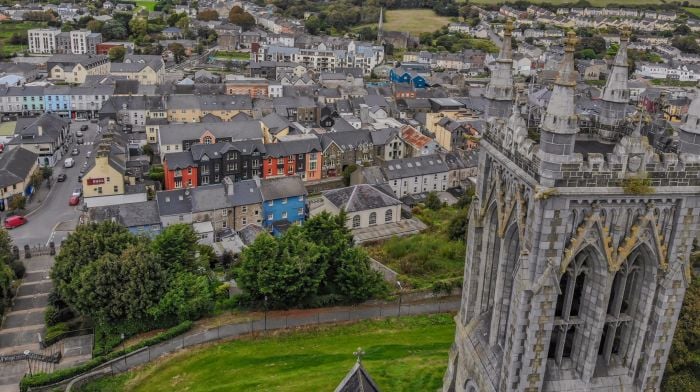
(457, 228)
(138, 26)
(36, 178)
(117, 288)
(18, 39)
(682, 29)
(174, 18)
(189, 296)
(46, 172)
(347, 173)
(114, 30)
(88, 243)
(288, 273)
(117, 53)
(95, 26)
(183, 24)
(148, 150)
(686, 44)
(241, 18)
(17, 202)
(177, 245)
(208, 14)
(178, 52)
(355, 279)
(432, 201)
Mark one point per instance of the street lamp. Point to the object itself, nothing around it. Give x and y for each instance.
(266, 313)
(29, 364)
(398, 283)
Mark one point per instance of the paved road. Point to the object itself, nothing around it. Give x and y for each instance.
(55, 209)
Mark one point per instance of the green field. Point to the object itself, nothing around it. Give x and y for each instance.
(407, 354)
(7, 29)
(693, 11)
(149, 5)
(414, 21)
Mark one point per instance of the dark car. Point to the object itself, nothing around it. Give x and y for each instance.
(80, 140)
(84, 128)
(61, 177)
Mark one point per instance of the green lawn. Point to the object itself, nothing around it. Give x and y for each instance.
(232, 55)
(7, 29)
(149, 5)
(425, 258)
(594, 3)
(407, 354)
(693, 11)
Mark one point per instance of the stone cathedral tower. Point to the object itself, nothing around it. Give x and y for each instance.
(573, 279)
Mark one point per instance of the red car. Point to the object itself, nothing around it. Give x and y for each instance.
(14, 221)
(74, 201)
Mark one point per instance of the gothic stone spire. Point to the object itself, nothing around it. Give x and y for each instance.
(616, 95)
(499, 91)
(559, 122)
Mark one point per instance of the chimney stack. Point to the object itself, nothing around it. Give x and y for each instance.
(40, 130)
(228, 184)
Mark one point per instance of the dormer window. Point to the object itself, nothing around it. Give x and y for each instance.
(207, 140)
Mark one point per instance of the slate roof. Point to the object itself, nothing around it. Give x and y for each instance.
(143, 213)
(245, 192)
(359, 198)
(275, 122)
(174, 202)
(27, 131)
(346, 140)
(381, 137)
(416, 166)
(209, 197)
(279, 188)
(357, 380)
(15, 166)
(293, 147)
(240, 130)
(249, 233)
(179, 160)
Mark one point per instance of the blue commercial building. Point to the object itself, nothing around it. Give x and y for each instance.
(284, 202)
(57, 99)
(414, 74)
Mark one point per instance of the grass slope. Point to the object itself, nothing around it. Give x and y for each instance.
(414, 21)
(7, 29)
(693, 11)
(407, 354)
(424, 258)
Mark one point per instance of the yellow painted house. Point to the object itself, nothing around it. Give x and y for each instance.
(105, 177)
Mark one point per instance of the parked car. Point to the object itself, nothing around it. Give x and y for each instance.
(61, 177)
(14, 221)
(77, 192)
(79, 134)
(88, 154)
(74, 201)
(69, 162)
(80, 177)
(80, 140)
(83, 128)
(75, 151)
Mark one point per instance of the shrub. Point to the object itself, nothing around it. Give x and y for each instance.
(637, 186)
(18, 269)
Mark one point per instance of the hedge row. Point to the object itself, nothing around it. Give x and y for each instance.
(42, 379)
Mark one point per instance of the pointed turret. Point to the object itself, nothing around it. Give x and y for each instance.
(559, 124)
(616, 94)
(499, 91)
(689, 133)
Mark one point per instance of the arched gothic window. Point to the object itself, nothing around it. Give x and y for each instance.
(373, 218)
(356, 221)
(388, 216)
(492, 253)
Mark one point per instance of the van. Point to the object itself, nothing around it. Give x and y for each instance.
(14, 221)
(69, 162)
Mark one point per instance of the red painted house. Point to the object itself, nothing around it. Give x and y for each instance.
(301, 157)
(180, 171)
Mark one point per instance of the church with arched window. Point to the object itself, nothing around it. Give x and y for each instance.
(578, 243)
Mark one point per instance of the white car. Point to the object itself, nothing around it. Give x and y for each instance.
(69, 162)
(77, 192)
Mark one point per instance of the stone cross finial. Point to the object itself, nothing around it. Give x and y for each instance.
(625, 33)
(508, 29)
(571, 41)
(359, 353)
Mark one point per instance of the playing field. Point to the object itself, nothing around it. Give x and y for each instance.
(7, 29)
(414, 21)
(694, 11)
(407, 354)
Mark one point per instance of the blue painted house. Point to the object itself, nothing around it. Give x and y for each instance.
(57, 99)
(414, 74)
(284, 202)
